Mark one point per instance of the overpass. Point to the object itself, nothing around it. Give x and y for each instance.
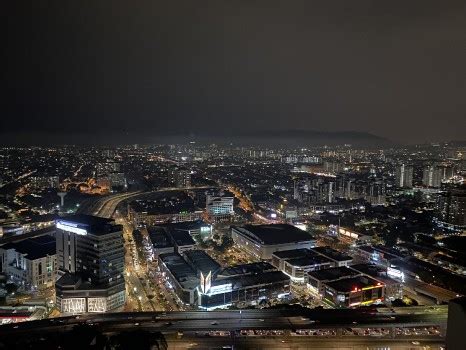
(106, 206)
(265, 319)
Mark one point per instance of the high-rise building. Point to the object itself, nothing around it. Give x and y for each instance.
(432, 176)
(117, 180)
(90, 258)
(182, 178)
(451, 209)
(333, 167)
(404, 176)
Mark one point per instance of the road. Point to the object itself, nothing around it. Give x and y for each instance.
(318, 343)
(105, 206)
(261, 319)
(265, 329)
(23, 176)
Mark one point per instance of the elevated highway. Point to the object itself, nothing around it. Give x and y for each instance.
(106, 206)
(290, 320)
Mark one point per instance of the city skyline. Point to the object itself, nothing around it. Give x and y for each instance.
(233, 175)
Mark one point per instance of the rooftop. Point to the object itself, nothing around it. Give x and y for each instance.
(201, 261)
(333, 274)
(92, 224)
(291, 254)
(187, 225)
(274, 234)
(242, 281)
(180, 269)
(34, 248)
(246, 269)
(350, 284)
(301, 257)
(310, 260)
(172, 205)
(159, 238)
(181, 238)
(332, 253)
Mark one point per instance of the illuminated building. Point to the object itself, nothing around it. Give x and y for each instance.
(432, 176)
(377, 254)
(404, 176)
(219, 207)
(180, 276)
(355, 291)
(198, 280)
(30, 263)
(338, 258)
(117, 180)
(391, 277)
(316, 280)
(182, 178)
(242, 285)
(262, 241)
(451, 209)
(90, 257)
(295, 263)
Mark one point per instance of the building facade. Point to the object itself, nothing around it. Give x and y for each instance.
(90, 257)
(30, 263)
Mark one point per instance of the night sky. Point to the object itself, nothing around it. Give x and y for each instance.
(78, 69)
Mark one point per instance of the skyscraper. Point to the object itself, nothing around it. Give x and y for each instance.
(182, 178)
(451, 209)
(90, 258)
(404, 176)
(432, 176)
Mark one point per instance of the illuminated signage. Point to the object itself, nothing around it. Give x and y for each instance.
(395, 273)
(301, 226)
(223, 288)
(70, 227)
(205, 229)
(206, 282)
(348, 233)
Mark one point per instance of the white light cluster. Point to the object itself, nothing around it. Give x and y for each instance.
(71, 228)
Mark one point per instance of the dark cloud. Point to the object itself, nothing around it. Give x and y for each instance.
(395, 69)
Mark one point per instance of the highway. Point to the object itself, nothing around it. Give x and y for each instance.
(251, 319)
(265, 329)
(106, 206)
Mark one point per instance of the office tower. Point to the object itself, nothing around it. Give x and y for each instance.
(404, 176)
(432, 176)
(90, 259)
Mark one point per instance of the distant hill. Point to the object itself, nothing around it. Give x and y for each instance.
(295, 137)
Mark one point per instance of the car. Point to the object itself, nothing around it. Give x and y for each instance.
(213, 323)
(415, 343)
